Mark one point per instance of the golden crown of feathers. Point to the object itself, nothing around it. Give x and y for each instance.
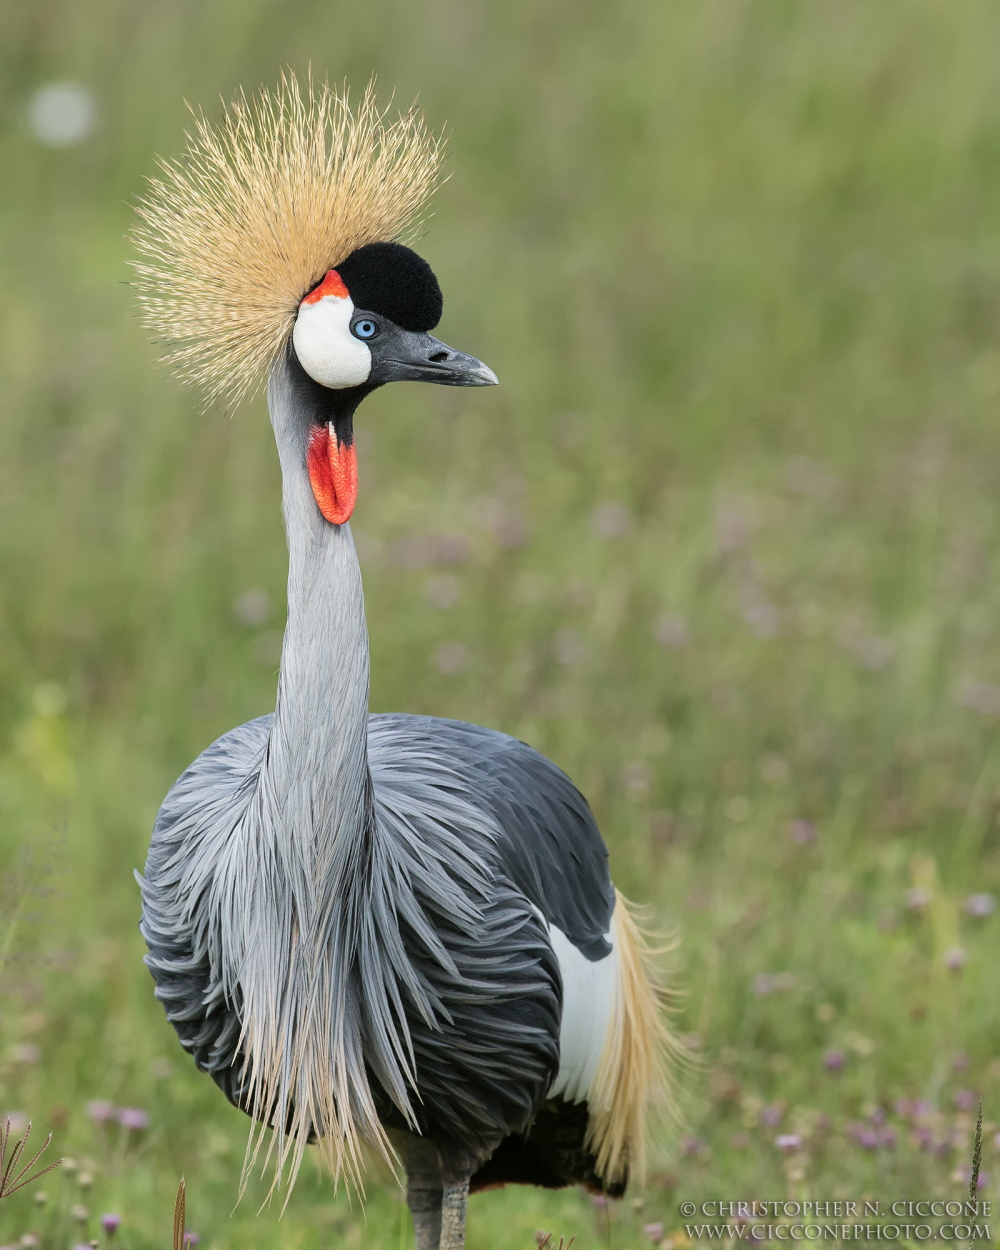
(257, 210)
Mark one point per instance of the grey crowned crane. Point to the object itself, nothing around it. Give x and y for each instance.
(388, 929)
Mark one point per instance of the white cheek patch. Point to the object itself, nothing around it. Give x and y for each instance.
(325, 346)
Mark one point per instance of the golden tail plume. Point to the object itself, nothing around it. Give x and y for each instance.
(640, 1058)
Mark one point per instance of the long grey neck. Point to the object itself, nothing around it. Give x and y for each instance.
(317, 765)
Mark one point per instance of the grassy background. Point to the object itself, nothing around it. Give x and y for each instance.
(722, 544)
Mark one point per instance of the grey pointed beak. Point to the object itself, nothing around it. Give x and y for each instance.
(406, 356)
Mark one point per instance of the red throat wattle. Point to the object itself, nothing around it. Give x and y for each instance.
(333, 474)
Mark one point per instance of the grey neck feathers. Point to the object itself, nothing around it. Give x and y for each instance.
(316, 773)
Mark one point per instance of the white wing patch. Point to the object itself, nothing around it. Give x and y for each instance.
(590, 992)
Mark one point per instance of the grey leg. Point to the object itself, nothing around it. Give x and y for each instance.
(453, 1201)
(423, 1185)
(423, 1197)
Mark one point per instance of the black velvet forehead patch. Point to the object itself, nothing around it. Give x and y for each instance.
(390, 279)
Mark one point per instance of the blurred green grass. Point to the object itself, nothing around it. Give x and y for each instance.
(722, 544)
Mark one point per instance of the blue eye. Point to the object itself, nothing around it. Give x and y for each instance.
(365, 329)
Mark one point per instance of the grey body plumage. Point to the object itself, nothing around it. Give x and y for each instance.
(471, 828)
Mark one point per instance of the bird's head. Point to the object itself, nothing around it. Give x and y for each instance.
(273, 248)
(366, 323)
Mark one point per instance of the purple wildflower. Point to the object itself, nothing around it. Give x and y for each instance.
(922, 1138)
(959, 1061)
(110, 1223)
(598, 1200)
(788, 1141)
(511, 532)
(653, 1231)
(101, 1110)
(918, 897)
(802, 831)
(834, 1060)
(981, 696)
(980, 905)
(771, 1116)
(956, 959)
(877, 1115)
(692, 1145)
(190, 1239)
(966, 1100)
(671, 630)
(863, 1134)
(133, 1118)
(451, 657)
(611, 520)
(773, 982)
(922, 1107)
(867, 1138)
